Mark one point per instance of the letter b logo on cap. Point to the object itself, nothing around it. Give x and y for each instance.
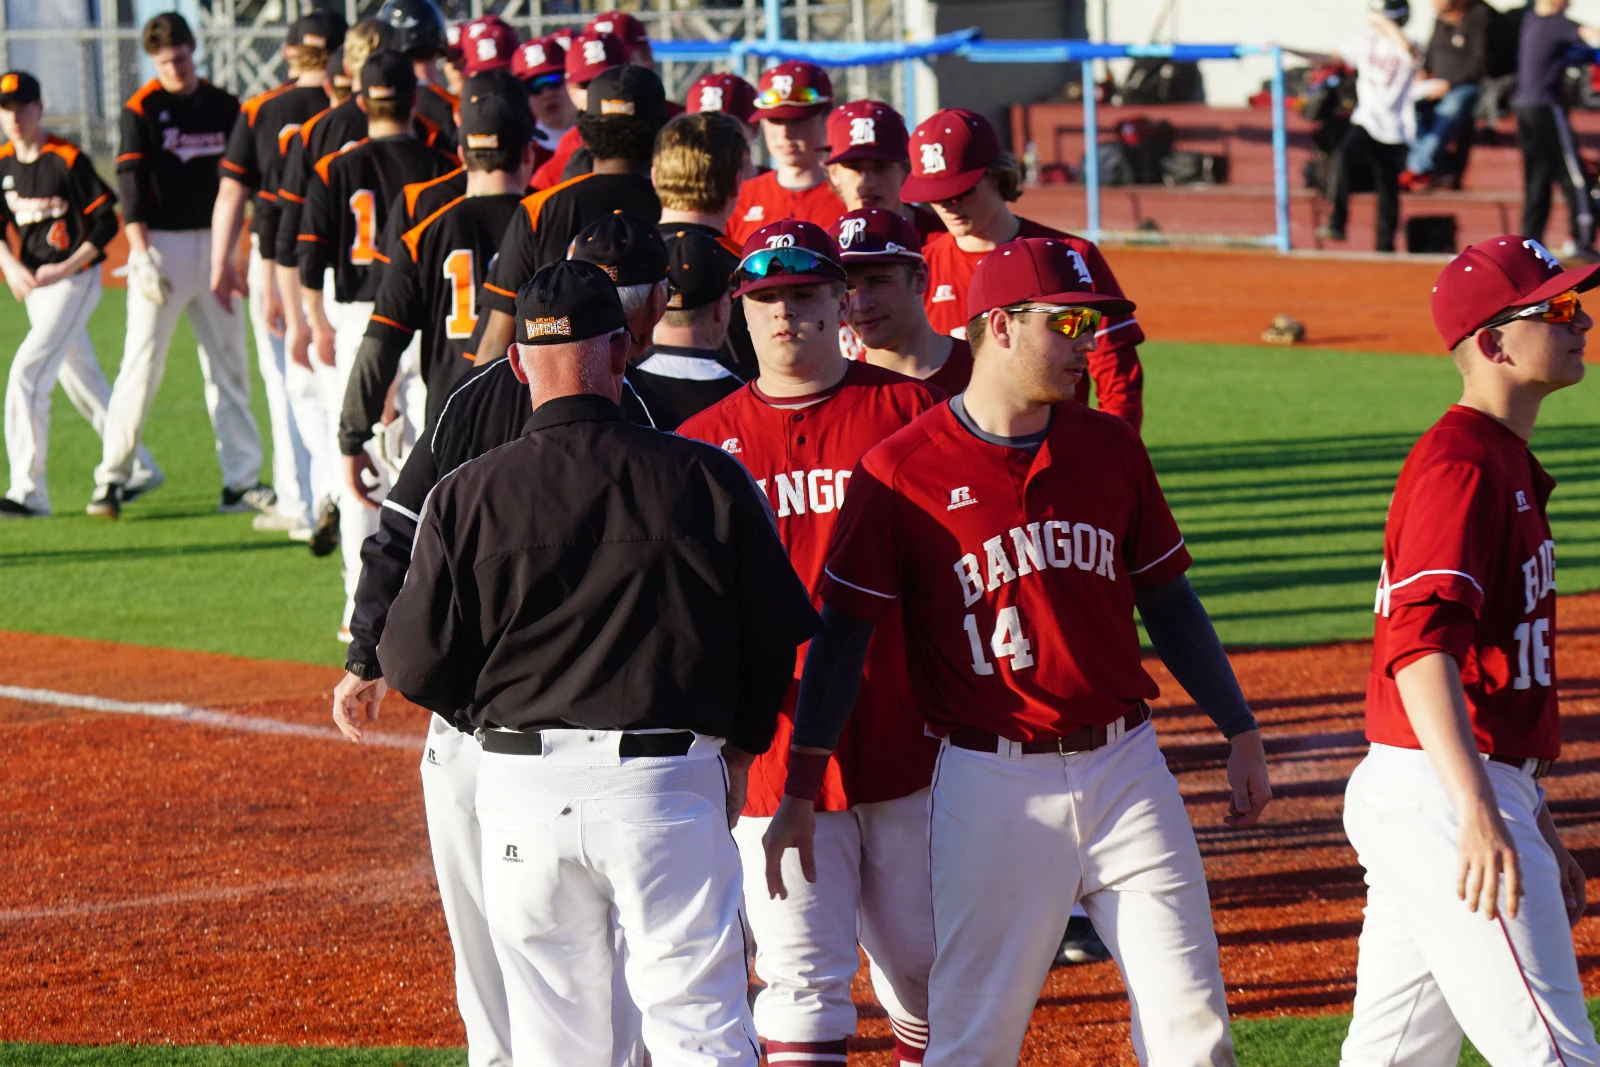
(863, 131)
(534, 55)
(1543, 253)
(711, 98)
(933, 158)
(594, 52)
(783, 85)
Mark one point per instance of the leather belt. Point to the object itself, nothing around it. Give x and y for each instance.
(1533, 768)
(629, 746)
(1084, 740)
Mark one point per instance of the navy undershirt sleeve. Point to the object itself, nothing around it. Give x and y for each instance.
(831, 679)
(1187, 643)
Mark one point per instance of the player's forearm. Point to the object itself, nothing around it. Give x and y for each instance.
(1187, 643)
(138, 237)
(1436, 705)
(828, 687)
(227, 221)
(496, 338)
(377, 362)
(81, 257)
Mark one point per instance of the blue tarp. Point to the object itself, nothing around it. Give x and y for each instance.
(966, 43)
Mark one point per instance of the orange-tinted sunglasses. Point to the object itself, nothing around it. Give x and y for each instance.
(1558, 309)
(1071, 322)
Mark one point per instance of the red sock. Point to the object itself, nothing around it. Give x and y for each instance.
(910, 1040)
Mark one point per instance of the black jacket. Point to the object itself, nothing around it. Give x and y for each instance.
(599, 575)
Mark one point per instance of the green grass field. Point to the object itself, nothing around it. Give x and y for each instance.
(1278, 463)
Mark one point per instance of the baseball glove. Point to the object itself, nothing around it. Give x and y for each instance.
(1284, 331)
(146, 277)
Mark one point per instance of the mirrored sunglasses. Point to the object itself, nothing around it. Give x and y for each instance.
(1073, 322)
(544, 82)
(803, 95)
(1562, 308)
(768, 262)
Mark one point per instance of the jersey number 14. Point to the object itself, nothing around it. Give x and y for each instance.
(1006, 642)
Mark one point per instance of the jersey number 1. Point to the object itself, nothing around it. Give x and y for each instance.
(364, 206)
(1007, 640)
(463, 295)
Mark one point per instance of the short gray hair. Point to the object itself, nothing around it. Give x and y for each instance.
(591, 355)
(635, 297)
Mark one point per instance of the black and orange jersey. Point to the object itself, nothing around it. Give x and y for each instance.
(435, 114)
(167, 167)
(347, 203)
(56, 202)
(255, 152)
(416, 202)
(321, 135)
(551, 218)
(431, 285)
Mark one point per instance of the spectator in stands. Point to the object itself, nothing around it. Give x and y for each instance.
(1549, 152)
(1383, 122)
(1454, 66)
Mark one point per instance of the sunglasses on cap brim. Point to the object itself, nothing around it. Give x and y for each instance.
(805, 95)
(1073, 322)
(1558, 309)
(543, 82)
(776, 262)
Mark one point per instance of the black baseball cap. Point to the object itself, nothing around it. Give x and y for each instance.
(627, 248)
(335, 69)
(388, 75)
(17, 88)
(494, 112)
(698, 269)
(568, 301)
(627, 90)
(320, 29)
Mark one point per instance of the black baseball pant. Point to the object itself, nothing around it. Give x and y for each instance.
(1385, 161)
(1550, 153)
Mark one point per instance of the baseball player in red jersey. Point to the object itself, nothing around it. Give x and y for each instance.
(958, 169)
(882, 255)
(64, 215)
(1470, 892)
(793, 100)
(541, 66)
(591, 55)
(800, 428)
(1016, 567)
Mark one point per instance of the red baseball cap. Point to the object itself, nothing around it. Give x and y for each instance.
(1494, 275)
(1041, 269)
(621, 25)
(794, 89)
(873, 235)
(795, 234)
(866, 129)
(542, 55)
(452, 40)
(591, 54)
(563, 38)
(488, 43)
(950, 153)
(727, 93)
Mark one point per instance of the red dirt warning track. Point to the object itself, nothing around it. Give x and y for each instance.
(175, 882)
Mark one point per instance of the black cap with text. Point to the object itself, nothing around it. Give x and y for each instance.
(628, 90)
(568, 301)
(494, 112)
(388, 75)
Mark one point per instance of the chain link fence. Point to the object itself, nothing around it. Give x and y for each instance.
(88, 70)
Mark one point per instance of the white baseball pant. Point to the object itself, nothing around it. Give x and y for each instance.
(579, 844)
(56, 348)
(291, 460)
(872, 888)
(1013, 842)
(1429, 970)
(184, 256)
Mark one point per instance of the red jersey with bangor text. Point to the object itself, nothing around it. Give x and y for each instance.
(1015, 572)
(1467, 527)
(802, 458)
(1114, 363)
(762, 200)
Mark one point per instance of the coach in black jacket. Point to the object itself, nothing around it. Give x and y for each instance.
(611, 608)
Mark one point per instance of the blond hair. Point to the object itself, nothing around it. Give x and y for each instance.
(365, 37)
(699, 160)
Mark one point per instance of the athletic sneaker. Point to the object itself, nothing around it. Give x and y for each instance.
(106, 502)
(256, 498)
(10, 509)
(274, 521)
(1081, 944)
(325, 531)
(138, 487)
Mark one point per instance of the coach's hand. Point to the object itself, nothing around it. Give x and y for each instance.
(1247, 779)
(354, 700)
(794, 826)
(361, 475)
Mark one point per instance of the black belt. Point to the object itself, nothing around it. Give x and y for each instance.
(1533, 768)
(1084, 740)
(629, 746)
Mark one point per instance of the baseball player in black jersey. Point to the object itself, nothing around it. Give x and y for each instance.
(420, 34)
(174, 130)
(486, 410)
(347, 199)
(253, 164)
(431, 283)
(626, 108)
(64, 215)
